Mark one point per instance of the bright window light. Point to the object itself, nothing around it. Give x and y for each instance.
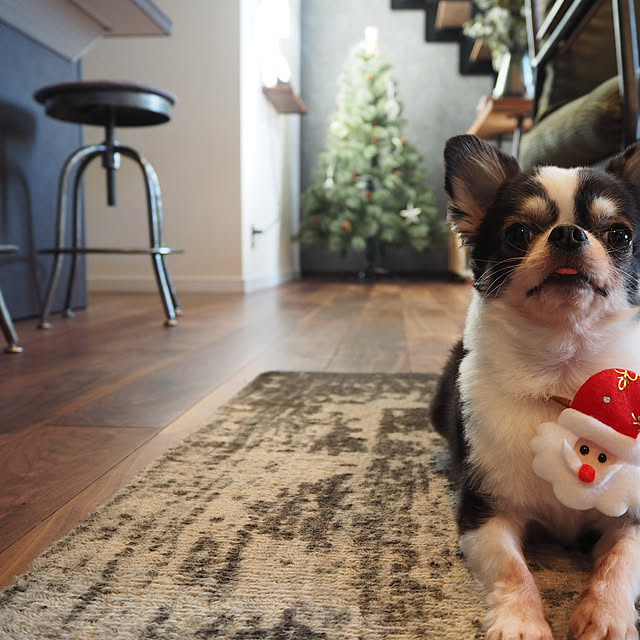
(273, 27)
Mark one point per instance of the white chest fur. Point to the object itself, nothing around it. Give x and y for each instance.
(511, 369)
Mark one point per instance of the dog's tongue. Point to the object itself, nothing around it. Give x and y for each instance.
(566, 271)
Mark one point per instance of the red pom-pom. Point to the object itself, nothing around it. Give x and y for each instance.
(587, 473)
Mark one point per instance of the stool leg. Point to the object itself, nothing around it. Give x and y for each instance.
(166, 288)
(76, 161)
(8, 329)
(76, 227)
(159, 231)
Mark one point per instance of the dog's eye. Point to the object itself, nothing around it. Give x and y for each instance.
(619, 237)
(518, 235)
(584, 450)
(602, 458)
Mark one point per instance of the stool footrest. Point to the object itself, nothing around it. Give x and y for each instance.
(130, 250)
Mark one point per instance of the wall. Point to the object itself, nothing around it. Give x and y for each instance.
(227, 162)
(33, 148)
(438, 102)
(270, 150)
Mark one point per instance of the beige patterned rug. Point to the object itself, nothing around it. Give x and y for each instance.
(313, 506)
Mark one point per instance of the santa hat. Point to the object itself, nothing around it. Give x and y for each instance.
(606, 410)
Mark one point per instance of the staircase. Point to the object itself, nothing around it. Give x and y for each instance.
(443, 23)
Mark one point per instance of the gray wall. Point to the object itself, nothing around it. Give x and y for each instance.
(438, 102)
(33, 148)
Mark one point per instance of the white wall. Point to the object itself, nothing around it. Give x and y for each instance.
(212, 191)
(270, 155)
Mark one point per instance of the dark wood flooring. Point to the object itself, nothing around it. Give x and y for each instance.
(93, 400)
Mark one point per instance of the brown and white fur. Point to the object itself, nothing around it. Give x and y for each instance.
(556, 260)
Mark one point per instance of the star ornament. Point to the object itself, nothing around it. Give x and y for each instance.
(411, 213)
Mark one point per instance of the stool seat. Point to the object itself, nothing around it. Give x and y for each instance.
(99, 102)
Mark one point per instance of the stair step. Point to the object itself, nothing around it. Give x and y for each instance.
(408, 4)
(452, 14)
(438, 27)
(474, 59)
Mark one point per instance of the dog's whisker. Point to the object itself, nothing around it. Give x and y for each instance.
(489, 261)
(496, 276)
(498, 281)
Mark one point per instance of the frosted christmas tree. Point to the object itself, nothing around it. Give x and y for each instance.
(369, 190)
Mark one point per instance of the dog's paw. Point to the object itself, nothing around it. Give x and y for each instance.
(513, 622)
(520, 630)
(603, 619)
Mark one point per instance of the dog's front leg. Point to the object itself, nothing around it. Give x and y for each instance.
(494, 553)
(607, 609)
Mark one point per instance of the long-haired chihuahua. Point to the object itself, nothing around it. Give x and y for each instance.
(555, 260)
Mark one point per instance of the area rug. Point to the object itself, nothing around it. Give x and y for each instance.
(313, 506)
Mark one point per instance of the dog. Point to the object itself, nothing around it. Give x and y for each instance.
(555, 257)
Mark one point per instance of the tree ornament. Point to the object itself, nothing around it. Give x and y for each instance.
(591, 455)
(393, 109)
(329, 182)
(411, 213)
(370, 44)
(338, 129)
(391, 88)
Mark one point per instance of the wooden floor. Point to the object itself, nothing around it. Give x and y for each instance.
(96, 398)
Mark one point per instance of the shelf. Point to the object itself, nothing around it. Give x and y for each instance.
(284, 100)
(499, 116)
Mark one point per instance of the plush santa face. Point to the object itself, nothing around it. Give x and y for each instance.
(590, 461)
(591, 455)
(583, 474)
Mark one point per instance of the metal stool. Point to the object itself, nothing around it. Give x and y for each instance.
(107, 104)
(5, 317)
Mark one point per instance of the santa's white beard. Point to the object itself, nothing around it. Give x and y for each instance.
(615, 489)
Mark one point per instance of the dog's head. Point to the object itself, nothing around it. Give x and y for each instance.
(550, 242)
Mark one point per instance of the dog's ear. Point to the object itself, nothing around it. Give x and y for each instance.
(474, 171)
(626, 165)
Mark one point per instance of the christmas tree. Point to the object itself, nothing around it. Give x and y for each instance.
(369, 190)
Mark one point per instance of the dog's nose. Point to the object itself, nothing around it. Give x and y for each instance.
(568, 237)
